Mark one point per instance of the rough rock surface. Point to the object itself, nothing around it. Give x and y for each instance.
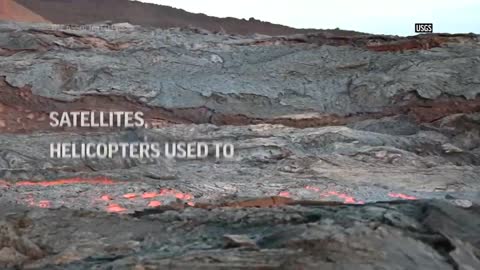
(335, 163)
(317, 121)
(246, 79)
(401, 235)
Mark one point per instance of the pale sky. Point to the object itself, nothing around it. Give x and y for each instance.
(395, 17)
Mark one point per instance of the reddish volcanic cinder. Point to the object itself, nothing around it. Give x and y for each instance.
(12, 11)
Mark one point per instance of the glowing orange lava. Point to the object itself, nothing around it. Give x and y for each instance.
(44, 204)
(177, 194)
(112, 205)
(154, 204)
(105, 198)
(347, 199)
(115, 208)
(401, 196)
(30, 200)
(284, 194)
(149, 195)
(100, 180)
(130, 196)
(312, 188)
(182, 196)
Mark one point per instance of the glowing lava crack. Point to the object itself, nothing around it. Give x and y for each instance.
(113, 196)
(71, 192)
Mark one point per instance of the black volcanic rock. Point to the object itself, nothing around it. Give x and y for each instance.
(398, 235)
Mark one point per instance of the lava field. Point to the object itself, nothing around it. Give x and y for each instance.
(358, 151)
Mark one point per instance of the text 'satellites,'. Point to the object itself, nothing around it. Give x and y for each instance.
(135, 150)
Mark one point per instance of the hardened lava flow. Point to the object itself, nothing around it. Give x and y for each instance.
(352, 151)
(109, 195)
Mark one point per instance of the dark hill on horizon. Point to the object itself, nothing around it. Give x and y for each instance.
(145, 14)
